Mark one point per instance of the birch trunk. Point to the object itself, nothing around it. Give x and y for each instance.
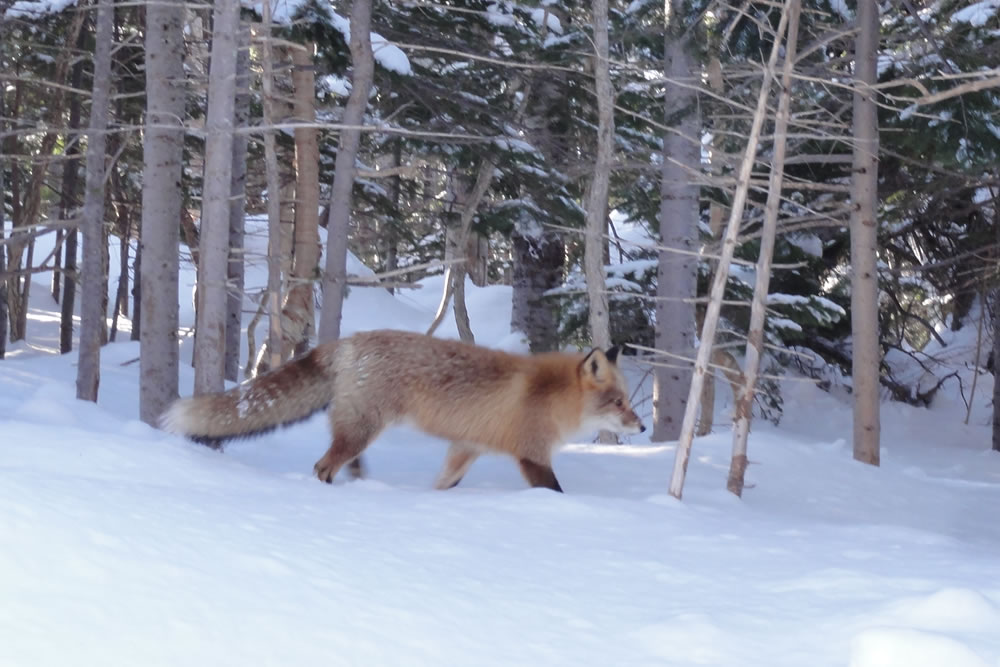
(677, 274)
(274, 245)
(93, 319)
(238, 182)
(298, 316)
(335, 278)
(866, 357)
(722, 271)
(755, 336)
(210, 345)
(162, 198)
(597, 200)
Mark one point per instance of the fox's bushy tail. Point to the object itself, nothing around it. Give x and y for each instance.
(281, 397)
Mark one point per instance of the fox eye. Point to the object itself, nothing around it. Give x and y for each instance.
(619, 402)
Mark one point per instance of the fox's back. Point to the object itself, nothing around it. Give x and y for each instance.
(455, 390)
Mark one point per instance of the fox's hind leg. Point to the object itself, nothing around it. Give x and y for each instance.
(350, 438)
(357, 468)
(456, 464)
(539, 474)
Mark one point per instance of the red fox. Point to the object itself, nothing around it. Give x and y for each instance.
(480, 399)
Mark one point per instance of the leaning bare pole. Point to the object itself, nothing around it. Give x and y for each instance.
(755, 335)
(722, 272)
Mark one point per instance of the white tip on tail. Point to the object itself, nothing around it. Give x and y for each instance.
(175, 419)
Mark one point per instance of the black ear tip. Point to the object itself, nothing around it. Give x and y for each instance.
(613, 352)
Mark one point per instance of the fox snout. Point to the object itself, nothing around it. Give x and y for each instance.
(632, 424)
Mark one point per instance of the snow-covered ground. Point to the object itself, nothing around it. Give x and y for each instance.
(121, 545)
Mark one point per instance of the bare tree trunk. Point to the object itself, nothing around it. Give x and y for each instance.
(335, 278)
(93, 315)
(3, 232)
(210, 345)
(56, 284)
(597, 200)
(454, 276)
(539, 257)
(718, 289)
(121, 294)
(162, 198)
(136, 293)
(120, 306)
(677, 274)
(298, 314)
(274, 246)
(388, 235)
(996, 365)
(68, 203)
(237, 203)
(22, 311)
(725, 363)
(865, 357)
(758, 311)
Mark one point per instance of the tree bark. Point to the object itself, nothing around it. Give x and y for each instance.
(274, 235)
(718, 288)
(210, 345)
(996, 365)
(298, 314)
(56, 285)
(758, 311)
(3, 232)
(335, 278)
(93, 315)
(162, 199)
(238, 181)
(677, 274)
(454, 276)
(866, 357)
(597, 200)
(539, 258)
(388, 237)
(67, 210)
(136, 293)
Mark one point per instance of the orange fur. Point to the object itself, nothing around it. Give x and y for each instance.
(478, 398)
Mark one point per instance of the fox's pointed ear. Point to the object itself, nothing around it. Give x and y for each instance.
(594, 365)
(613, 352)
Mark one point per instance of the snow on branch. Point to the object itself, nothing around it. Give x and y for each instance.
(34, 9)
(386, 54)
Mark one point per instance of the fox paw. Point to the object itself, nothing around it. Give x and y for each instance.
(324, 471)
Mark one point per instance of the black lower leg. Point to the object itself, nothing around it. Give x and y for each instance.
(357, 468)
(539, 475)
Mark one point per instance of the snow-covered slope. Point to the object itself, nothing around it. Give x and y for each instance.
(120, 545)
